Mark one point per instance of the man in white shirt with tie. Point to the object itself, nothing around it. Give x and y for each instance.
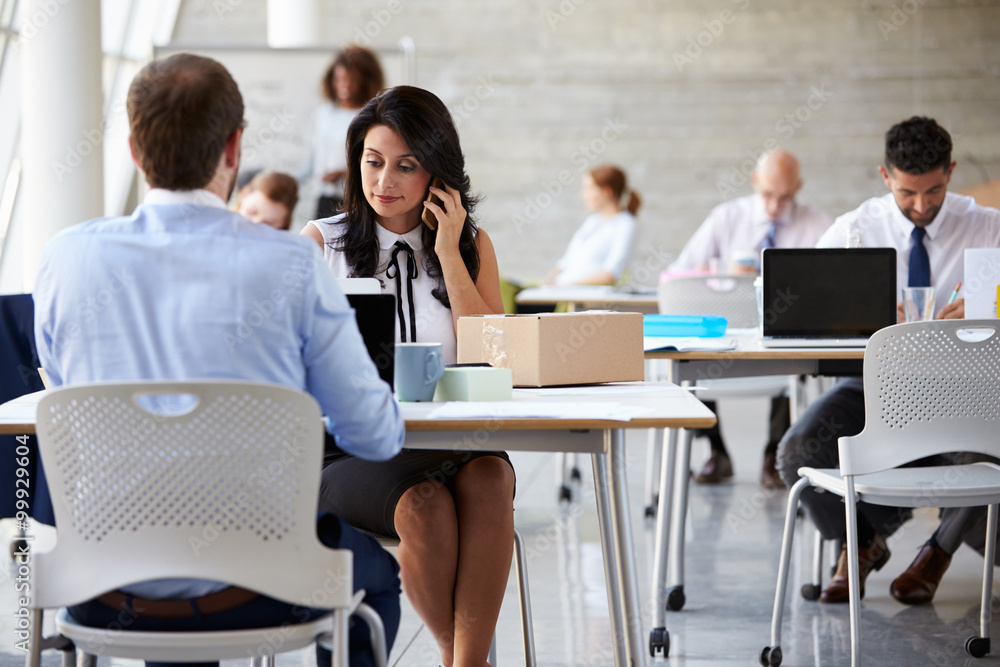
(930, 228)
(730, 240)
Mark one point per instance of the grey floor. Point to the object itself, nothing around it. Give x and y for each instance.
(732, 549)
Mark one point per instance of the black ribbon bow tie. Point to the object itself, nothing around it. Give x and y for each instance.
(393, 271)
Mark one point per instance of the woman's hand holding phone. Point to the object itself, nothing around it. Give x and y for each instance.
(428, 215)
(450, 217)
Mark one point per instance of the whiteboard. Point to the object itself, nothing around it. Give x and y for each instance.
(281, 89)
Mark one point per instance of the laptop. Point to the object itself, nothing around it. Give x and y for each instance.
(376, 315)
(827, 297)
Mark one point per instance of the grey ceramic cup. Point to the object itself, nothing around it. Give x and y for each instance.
(418, 368)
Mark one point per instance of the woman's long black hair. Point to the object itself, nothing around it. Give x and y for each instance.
(425, 124)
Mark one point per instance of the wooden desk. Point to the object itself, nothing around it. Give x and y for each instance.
(749, 359)
(579, 297)
(604, 440)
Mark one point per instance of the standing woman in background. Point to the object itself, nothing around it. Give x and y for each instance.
(453, 511)
(353, 78)
(601, 249)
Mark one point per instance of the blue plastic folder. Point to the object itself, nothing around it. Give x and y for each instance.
(704, 326)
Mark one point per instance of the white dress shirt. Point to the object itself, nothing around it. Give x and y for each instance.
(738, 227)
(434, 323)
(601, 244)
(327, 147)
(961, 223)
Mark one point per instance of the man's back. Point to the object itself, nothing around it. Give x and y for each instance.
(181, 291)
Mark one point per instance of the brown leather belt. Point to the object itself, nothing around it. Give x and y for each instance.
(212, 603)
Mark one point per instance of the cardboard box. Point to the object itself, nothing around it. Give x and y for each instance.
(556, 348)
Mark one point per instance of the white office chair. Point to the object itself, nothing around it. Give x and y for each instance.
(930, 388)
(204, 479)
(391, 544)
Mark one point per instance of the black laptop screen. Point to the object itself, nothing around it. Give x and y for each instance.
(376, 315)
(828, 292)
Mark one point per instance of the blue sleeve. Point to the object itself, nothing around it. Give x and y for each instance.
(359, 408)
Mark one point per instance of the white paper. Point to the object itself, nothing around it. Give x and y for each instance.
(602, 389)
(687, 343)
(21, 410)
(979, 285)
(536, 410)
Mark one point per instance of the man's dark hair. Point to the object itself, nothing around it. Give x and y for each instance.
(181, 112)
(917, 146)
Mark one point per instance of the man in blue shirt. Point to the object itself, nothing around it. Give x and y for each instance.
(185, 289)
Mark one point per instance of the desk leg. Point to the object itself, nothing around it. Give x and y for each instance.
(606, 522)
(628, 581)
(659, 639)
(682, 478)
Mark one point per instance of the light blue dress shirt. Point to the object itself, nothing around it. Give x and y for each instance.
(185, 289)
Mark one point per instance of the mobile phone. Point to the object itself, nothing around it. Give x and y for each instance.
(428, 216)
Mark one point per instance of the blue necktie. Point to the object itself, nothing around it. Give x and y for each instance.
(772, 231)
(920, 264)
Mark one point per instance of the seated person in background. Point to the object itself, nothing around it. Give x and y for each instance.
(168, 263)
(731, 238)
(601, 249)
(452, 510)
(270, 199)
(930, 228)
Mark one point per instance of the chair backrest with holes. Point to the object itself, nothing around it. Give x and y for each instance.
(202, 479)
(930, 388)
(732, 297)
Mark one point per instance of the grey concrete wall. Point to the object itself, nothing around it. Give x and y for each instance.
(682, 94)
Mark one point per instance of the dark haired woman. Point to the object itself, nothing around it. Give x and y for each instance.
(453, 511)
(353, 78)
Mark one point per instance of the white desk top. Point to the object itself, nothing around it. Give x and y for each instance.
(600, 295)
(662, 405)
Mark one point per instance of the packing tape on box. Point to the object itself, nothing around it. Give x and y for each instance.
(494, 348)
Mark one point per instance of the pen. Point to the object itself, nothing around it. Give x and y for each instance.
(954, 294)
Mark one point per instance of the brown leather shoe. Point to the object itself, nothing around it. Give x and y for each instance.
(769, 477)
(919, 582)
(717, 468)
(872, 558)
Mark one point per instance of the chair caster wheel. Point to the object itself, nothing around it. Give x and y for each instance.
(575, 475)
(676, 599)
(565, 493)
(977, 647)
(659, 640)
(770, 656)
(810, 591)
(650, 511)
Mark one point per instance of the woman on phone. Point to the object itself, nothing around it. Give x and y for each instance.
(452, 511)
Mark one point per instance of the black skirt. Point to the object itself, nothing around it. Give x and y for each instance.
(365, 493)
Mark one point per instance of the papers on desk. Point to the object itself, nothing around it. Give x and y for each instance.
(22, 409)
(686, 344)
(537, 410)
(602, 389)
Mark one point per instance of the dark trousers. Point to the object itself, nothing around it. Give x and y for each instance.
(812, 442)
(374, 570)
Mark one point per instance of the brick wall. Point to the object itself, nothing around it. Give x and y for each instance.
(683, 94)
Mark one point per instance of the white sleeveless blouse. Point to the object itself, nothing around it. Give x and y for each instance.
(433, 322)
